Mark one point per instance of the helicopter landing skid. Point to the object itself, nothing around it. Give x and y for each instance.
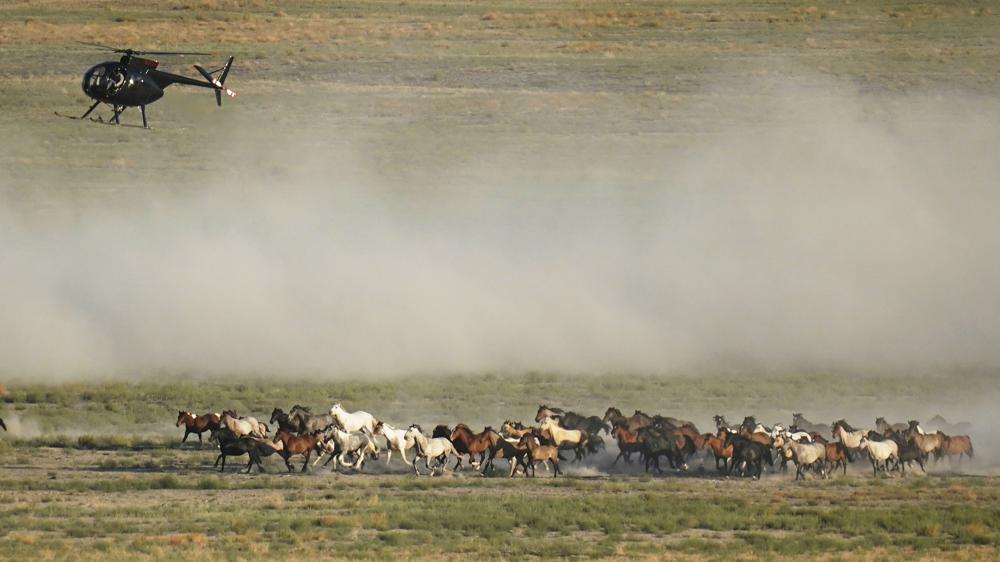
(101, 121)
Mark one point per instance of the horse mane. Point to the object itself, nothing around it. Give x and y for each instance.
(843, 422)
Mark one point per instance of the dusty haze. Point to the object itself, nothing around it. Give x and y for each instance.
(828, 229)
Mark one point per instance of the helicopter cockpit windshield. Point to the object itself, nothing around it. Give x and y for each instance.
(103, 80)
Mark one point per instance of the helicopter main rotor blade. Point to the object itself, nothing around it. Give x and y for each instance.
(135, 52)
(100, 46)
(170, 53)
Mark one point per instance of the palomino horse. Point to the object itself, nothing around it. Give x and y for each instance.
(297, 445)
(194, 424)
(242, 426)
(880, 453)
(566, 438)
(395, 440)
(438, 448)
(468, 443)
(956, 445)
(353, 421)
(572, 420)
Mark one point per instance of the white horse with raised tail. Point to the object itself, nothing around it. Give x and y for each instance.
(353, 421)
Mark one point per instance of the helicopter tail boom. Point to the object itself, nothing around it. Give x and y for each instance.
(218, 84)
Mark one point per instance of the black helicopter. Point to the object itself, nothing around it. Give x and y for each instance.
(134, 81)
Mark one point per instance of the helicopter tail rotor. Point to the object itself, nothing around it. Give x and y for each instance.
(220, 82)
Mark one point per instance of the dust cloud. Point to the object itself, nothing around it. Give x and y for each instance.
(833, 229)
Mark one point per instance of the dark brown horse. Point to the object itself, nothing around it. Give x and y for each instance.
(500, 448)
(633, 423)
(196, 424)
(468, 443)
(297, 445)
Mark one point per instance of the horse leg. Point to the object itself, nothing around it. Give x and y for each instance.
(186, 432)
(305, 463)
(414, 465)
(217, 459)
(223, 468)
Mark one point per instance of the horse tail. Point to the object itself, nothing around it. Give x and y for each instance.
(970, 448)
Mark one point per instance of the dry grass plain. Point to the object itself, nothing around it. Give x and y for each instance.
(427, 95)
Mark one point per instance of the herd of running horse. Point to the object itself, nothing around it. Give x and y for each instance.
(348, 439)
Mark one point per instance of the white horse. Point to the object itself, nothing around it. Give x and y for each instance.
(395, 439)
(438, 448)
(806, 455)
(850, 439)
(338, 441)
(353, 421)
(880, 453)
(243, 426)
(797, 436)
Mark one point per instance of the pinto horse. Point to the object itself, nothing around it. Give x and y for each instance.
(192, 424)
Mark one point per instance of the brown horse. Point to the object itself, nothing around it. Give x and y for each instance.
(719, 449)
(633, 423)
(628, 443)
(836, 455)
(540, 453)
(956, 445)
(515, 430)
(297, 445)
(197, 424)
(500, 448)
(468, 443)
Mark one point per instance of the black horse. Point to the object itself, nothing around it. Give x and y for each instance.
(749, 456)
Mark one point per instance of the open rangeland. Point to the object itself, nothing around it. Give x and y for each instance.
(94, 471)
(418, 100)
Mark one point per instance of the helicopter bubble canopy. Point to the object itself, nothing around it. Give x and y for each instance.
(103, 80)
